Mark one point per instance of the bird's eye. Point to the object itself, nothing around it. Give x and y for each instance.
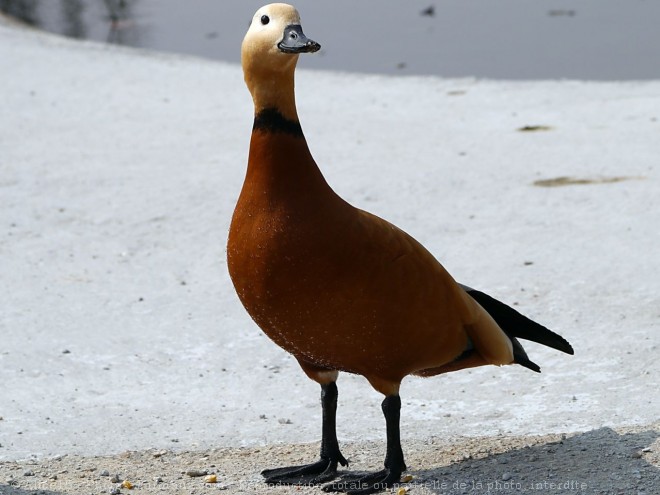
(265, 19)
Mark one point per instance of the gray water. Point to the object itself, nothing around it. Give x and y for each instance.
(511, 39)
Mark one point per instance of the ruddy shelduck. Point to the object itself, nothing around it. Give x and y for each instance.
(337, 287)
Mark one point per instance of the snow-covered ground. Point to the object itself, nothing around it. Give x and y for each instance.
(119, 170)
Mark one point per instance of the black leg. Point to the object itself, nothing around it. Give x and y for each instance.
(329, 443)
(394, 456)
(394, 463)
(325, 469)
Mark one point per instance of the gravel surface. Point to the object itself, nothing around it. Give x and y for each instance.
(603, 461)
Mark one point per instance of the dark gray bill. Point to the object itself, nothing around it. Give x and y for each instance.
(295, 41)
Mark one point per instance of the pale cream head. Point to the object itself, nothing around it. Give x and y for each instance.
(260, 49)
(269, 54)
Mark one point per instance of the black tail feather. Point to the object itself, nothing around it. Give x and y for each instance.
(519, 326)
(520, 356)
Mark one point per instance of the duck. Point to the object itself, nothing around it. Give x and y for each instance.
(339, 288)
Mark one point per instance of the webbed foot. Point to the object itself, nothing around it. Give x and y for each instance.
(322, 471)
(370, 483)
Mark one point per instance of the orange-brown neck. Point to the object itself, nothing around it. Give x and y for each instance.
(280, 164)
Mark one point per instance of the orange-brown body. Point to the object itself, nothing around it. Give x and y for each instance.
(335, 286)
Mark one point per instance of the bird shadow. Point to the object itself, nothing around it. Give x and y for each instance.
(14, 490)
(598, 461)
